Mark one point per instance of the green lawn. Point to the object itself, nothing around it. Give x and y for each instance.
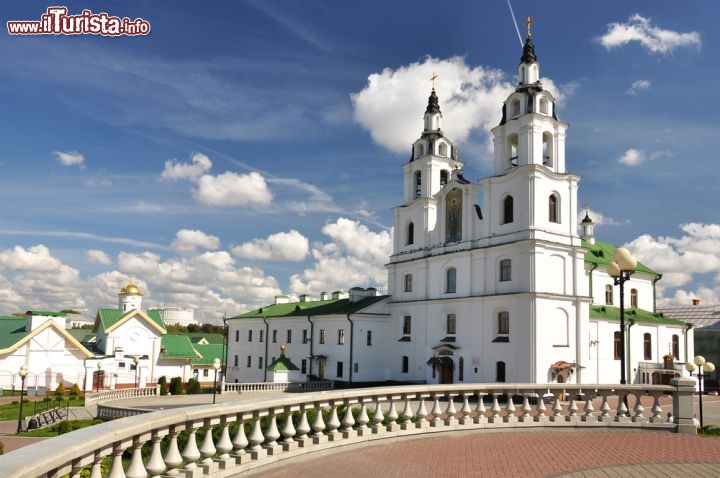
(11, 411)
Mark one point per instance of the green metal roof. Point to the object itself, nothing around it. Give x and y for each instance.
(208, 353)
(12, 330)
(638, 315)
(177, 346)
(211, 337)
(282, 364)
(108, 317)
(601, 254)
(311, 308)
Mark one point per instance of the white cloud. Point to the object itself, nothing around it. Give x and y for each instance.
(682, 260)
(355, 256)
(654, 39)
(98, 183)
(187, 240)
(199, 165)
(283, 246)
(34, 259)
(97, 256)
(70, 158)
(600, 219)
(632, 157)
(232, 189)
(637, 86)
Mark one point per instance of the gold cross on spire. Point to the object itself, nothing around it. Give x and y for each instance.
(528, 22)
(433, 78)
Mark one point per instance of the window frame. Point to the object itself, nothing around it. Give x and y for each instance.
(505, 270)
(451, 280)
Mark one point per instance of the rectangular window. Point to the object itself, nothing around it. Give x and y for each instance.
(608, 295)
(306, 336)
(274, 336)
(633, 298)
(356, 367)
(676, 346)
(647, 346)
(616, 345)
(262, 335)
(260, 362)
(505, 270)
(121, 365)
(236, 361)
(503, 323)
(289, 336)
(249, 335)
(451, 280)
(206, 372)
(451, 324)
(249, 361)
(406, 364)
(303, 366)
(339, 369)
(322, 336)
(341, 337)
(237, 336)
(369, 338)
(407, 325)
(408, 282)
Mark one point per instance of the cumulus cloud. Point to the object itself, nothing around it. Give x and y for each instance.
(283, 246)
(654, 39)
(70, 158)
(682, 260)
(187, 240)
(635, 157)
(199, 165)
(637, 86)
(355, 256)
(97, 256)
(232, 189)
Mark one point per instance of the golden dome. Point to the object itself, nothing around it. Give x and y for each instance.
(130, 289)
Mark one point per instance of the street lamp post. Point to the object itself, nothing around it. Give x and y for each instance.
(701, 366)
(216, 365)
(136, 361)
(23, 373)
(97, 377)
(620, 269)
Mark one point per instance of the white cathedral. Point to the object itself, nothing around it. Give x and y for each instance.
(492, 281)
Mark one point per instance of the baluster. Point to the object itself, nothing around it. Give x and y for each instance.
(224, 445)
(656, 409)
(240, 441)
(436, 411)
(509, 409)
(191, 453)
(525, 409)
(207, 449)
(465, 410)
(173, 459)
(318, 427)
(589, 409)
(407, 414)
(76, 469)
(540, 409)
(288, 431)
(136, 469)
(362, 420)
(604, 407)
(621, 414)
(557, 410)
(348, 421)
(155, 465)
(572, 415)
(450, 419)
(333, 424)
(303, 427)
(495, 410)
(421, 413)
(378, 417)
(256, 437)
(117, 466)
(638, 410)
(96, 470)
(272, 433)
(392, 417)
(480, 409)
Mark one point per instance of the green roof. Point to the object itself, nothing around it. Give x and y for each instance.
(601, 254)
(177, 346)
(211, 337)
(638, 315)
(282, 364)
(305, 309)
(82, 335)
(108, 317)
(12, 330)
(208, 352)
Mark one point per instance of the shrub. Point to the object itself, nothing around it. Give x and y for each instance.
(60, 391)
(163, 385)
(193, 387)
(64, 427)
(75, 391)
(176, 386)
(2, 448)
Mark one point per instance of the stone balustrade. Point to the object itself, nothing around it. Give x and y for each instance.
(278, 386)
(111, 395)
(251, 434)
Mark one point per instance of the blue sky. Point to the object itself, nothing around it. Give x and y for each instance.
(247, 149)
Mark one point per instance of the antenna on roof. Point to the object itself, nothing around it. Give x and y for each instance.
(515, 22)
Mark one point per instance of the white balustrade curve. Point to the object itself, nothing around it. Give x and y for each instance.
(383, 413)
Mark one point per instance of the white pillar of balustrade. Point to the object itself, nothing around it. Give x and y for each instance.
(256, 439)
(638, 410)
(173, 458)
(540, 408)
(509, 409)
(240, 441)
(621, 414)
(288, 431)
(348, 422)
(480, 410)
(557, 409)
(136, 469)
(406, 414)
(450, 418)
(191, 453)
(303, 429)
(588, 410)
(604, 406)
(465, 410)
(117, 466)
(495, 410)
(525, 417)
(421, 413)
(436, 411)
(224, 445)
(362, 420)
(333, 424)
(318, 426)
(572, 415)
(156, 465)
(656, 409)
(378, 417)
(96, 470)
(207, 449)
(271, 435)
(392, 417)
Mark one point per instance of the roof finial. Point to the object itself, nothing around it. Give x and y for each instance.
(282, 350)
(528, 22)
(433, 78)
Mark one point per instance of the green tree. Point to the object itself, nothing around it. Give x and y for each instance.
(163, 385)
(60, 391)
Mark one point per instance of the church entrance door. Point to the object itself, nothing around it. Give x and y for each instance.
(446, 370)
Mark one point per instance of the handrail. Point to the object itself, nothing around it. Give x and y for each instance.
(122, 393)
(354, 416)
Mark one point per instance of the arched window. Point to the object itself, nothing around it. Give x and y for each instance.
(616, 345)
(450, 280)
(453, 216)
(553, 215)
(608, 294)
(408, 283)
(442, 149)
(543, 106)
(405, 364)
(512, 150)
(450, 322)
(547, 149)
(407, 325)
(505, 270)
(410, 233)
(443, 177)
(676, 346)
(647, 346)
(500, 371)
(507, 213)
(418, 184)
(515, 108)
(633, 298)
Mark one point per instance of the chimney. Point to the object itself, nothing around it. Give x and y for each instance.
(696, 301)
(324, 296)
(303, 298)
(282, 299)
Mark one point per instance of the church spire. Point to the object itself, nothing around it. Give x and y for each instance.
(432, 112)
(528, 70)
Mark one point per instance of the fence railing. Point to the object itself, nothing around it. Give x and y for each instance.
(278, 386)
(111, 395)
(254, 433)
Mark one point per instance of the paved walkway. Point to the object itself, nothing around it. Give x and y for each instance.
(508, 453)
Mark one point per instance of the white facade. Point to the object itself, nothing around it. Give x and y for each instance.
(177, 316)
(490, 281)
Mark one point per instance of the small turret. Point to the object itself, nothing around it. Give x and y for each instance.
(130, 297)
(587, 226)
